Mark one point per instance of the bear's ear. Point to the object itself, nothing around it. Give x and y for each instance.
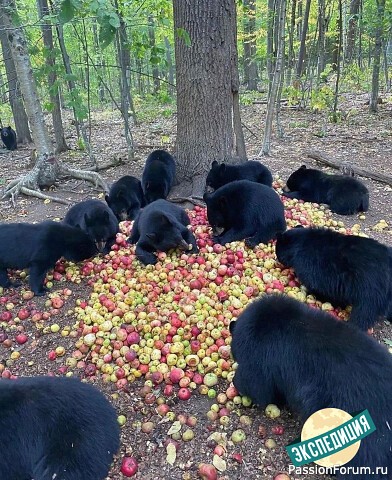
(222, 167)
(303, 167)
(107, 200)
(165, 220)
(121, 192)
(206, 196)
(86, 220)
(232, 326)
(222, 202)
(279, 236)
(214, 164)
(299, 226)
(151, 236)
(9, 128)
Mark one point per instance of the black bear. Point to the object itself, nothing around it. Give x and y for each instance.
(8, 137)
(344, 195)
(158, 175)
(55, 428)
(126, 198)
(245, 210)
(97, 220)
(343, 269)
(161, 226)
(38, 247)
(295, 355)
(221, 174)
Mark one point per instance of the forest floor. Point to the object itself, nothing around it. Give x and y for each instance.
(361, 138)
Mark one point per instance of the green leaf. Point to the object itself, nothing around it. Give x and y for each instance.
(181, 33)
(388, 342)
(106, 34)
(67, 11)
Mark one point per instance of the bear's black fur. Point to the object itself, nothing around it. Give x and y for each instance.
(291, 353)
(161, 226)
(245, 210)
(158, 175)
(343, 269)
(126, 198)
(38, 247)
(344, 195)
(8, 136)
(55, 428)
(97, 220)
(221, 174)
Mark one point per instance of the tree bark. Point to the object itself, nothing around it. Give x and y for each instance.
(155, 69)
(378, 41)
(207, 89)
(14, 95)
(47, 35)
(321, 38)
(170, 67)
(352, 30)
(338, 62)
(276, 82)
(304, 33)
(249, 43)
(270, 42)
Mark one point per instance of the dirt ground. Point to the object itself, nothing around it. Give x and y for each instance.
(363, 139)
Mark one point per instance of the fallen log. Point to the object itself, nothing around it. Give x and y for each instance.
(342, 166)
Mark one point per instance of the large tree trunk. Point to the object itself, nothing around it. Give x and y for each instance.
(249, 42)
(47, 168)
(15, 98)
(304, 33)
(378, 40)
(276, 82)
(207, 89)
(46, 27)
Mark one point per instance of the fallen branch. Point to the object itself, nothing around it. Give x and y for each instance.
(265, 102)
(322, 158)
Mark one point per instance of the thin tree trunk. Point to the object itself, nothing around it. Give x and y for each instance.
(291, 53)
(378, 40)
(280, 25)
(321, 39)
(304, 33)
(170, 67)
(205, 133)
(249, 44)
(352, 30)
(270, 42)
(155, 69)
(338, 62)
(100, 60)
(46, 27)
(15, 98)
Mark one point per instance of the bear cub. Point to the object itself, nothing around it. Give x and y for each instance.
(8, 136)
(38, 247)
(97, 220)
(161, 226)
(52, 427)
(344, 195)
(158, 175)
(295, 355)
(221, 174)
(341, 269)
(125, 198)
(245, 210)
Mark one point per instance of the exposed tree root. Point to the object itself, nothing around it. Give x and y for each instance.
(194, 200)
(89, 176)
(29, 183)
